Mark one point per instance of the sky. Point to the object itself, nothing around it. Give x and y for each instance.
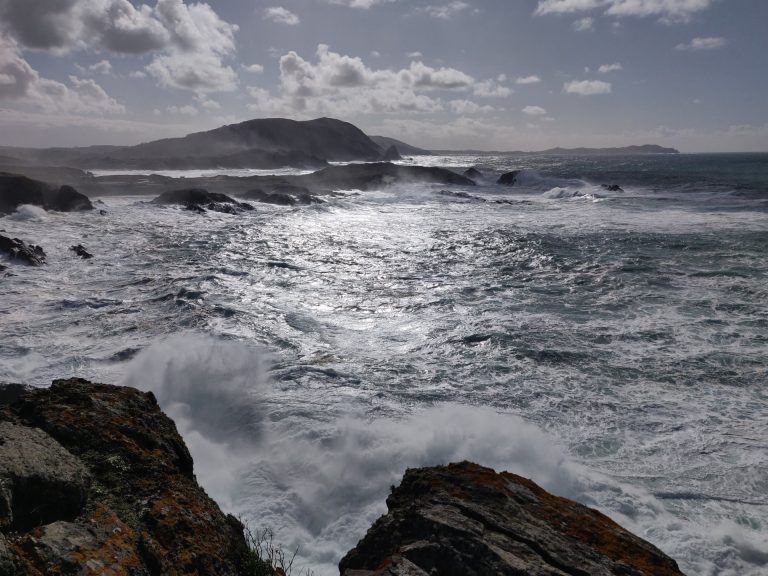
(448, 74)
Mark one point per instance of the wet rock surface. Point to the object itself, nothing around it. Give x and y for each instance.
(16, 190)
(200, 200)
(508, 178)
(19, 250)
(464, 519)
(283, 195)
(132, 504)
(81, 251)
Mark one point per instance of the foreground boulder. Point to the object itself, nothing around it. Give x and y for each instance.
(464, 519)
(100, 482)
(200, 200)
(17, 249)
(16, 190)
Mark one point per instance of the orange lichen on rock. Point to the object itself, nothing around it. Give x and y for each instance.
(144, 513)
(467, 519)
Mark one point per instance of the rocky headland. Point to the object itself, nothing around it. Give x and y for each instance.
(95, 480)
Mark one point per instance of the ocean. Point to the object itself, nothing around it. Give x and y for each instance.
(610, 345)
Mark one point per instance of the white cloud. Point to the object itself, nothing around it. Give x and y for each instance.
(281, 16)
(584, 24)
(669, 11)
(137, 74)
(253, 68)
(710, 43)
(527, 79)
(24, 85)
(414, 55)
(191, 42)
(534, 111)
(337, 84)
(606, 68)
(102, 67)
(587, 87)
(468, 107)
(363, 4)
(444, 11)
(491, 89)
(187, 110)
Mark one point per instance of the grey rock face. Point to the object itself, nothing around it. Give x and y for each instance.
(40, 481)
(19, 250)
(466, 520)
(508, 178)
(7, 566)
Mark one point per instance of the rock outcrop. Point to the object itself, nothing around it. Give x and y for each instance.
(16, 190)
(81, 251)
(200, 200)
(375, 175)
(464, 519)
(473, 173)
(95, 479)
(508, 178)
(283, 195)
(17, 249)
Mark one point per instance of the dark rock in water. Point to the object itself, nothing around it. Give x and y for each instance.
(16, 190)
(612, 187)
(103, 212)
(473, 173)
(377, 175)
(464, 519)
(199, 200)
(103, 484)
(18, 250)
(391, 154)
(463, 195)
(283, 194)
(81, 251)
(41, 482)
(280, 199)
(508, 178)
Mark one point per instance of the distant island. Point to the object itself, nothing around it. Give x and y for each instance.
(262, 144)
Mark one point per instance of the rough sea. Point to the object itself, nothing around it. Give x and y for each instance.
(612, 346)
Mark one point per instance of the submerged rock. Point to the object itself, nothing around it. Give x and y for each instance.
(508, 178)
(18, 250)
(612, 187)
(16, 190)
(462, 195)
(199, 200)
(118, 494)
(465, 519)
(283, 195)
(81, 251)
(473, 173)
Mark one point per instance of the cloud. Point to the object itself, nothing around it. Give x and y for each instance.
(281, 16)
(587, 87)
(444, 11)
(534, 111)
(102, 67)
(584, 24)
(338, 84)
(187, 110)
(253, 68)
(668, 11)
(190, 40)
(363, 4)
(491, 89)
(468, 107)
(606, 68)
(527, 79)
(710, 43)
(414, 55)
(20, 83)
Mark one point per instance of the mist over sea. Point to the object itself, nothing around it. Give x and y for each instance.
(612, 346)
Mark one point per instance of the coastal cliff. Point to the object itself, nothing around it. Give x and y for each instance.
(95, 479)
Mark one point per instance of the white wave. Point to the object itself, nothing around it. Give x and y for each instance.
(30, 212)
(320, 477)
